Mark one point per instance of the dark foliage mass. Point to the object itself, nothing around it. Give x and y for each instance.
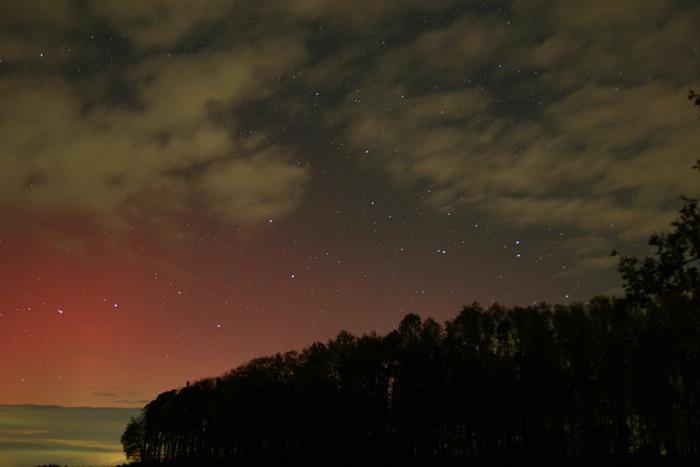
(587, 382)
(609, 381)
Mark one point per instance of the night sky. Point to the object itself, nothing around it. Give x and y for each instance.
(188, 185)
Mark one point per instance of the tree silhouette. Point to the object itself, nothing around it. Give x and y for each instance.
(544, 383)
(132, 438)
(665, 289)
(673, 269)
(694, 97)
(611, 381)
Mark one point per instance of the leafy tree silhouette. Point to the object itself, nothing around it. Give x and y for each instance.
(132, 438)
(673, 269)
(665, 289)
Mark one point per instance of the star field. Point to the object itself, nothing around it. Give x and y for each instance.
(187, 186)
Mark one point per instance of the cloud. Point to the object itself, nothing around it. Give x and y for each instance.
(23, 432)
(620, 43)
(34, 435)
(170, 157)
(162, 24)
(537, 131)
(34, 31)
(532, 115)
(86, 429)
(234, 186)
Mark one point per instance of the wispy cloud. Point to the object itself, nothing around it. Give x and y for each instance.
(532, 115)
(33, 435)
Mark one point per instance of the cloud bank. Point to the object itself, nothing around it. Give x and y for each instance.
(38, 435)
(535, 116)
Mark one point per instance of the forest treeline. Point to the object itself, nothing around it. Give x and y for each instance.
(577, 381)
(609, 381)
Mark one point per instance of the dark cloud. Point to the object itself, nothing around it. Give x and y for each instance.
(536, 116)
(60, 157)
(553, 123)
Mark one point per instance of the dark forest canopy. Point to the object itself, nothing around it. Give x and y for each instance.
(606, 381)
(577, 381)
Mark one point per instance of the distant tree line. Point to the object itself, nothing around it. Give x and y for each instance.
(606, 381)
